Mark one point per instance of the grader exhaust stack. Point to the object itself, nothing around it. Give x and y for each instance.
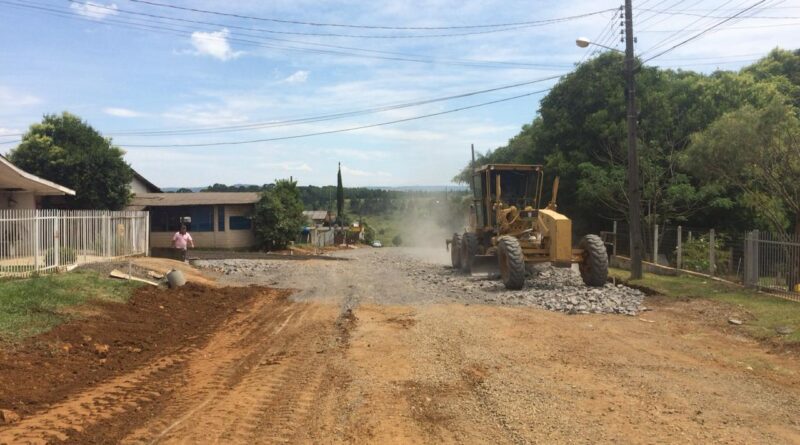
(509, 231)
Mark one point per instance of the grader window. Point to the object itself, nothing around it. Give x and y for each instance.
(517, 188)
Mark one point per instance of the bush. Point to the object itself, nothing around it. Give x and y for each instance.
(279, 215)
(369, 234)
(397, 240)
(66, 255)
(695, 255)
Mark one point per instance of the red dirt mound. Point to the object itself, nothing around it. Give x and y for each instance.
(112, 339)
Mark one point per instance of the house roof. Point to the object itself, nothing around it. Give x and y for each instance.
(315, 214)
(12, 178)
(192, 199)
(152, 188)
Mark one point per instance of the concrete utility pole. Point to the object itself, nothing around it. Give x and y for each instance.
(634, 192)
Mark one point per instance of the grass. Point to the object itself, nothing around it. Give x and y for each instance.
(768, 311)
(34, 305)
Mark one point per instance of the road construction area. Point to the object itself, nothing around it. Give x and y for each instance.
(392, 346)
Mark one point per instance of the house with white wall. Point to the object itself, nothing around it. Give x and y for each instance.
(22, 190)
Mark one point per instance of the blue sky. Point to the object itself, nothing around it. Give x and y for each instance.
(110, 67)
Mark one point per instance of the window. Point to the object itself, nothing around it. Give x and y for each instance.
(240, 223)
(220, 218)
(168, 219)
(202, 218)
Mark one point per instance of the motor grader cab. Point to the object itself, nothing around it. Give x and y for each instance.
(508, 230)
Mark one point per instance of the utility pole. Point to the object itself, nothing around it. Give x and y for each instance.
(634, 192)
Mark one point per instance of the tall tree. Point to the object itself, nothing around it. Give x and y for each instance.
(68, 151)
(279, 215)
(757, 152)
(339, 197)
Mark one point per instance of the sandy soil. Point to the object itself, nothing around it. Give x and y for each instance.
(358, 355)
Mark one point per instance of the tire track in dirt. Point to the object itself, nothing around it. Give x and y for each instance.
(263, 392)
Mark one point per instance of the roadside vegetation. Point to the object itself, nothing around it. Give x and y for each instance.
(767, 312)
(716, 147)
(34, 305)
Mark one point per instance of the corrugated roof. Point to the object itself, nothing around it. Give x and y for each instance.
(149, 185)
(315, 214)
(193, 199)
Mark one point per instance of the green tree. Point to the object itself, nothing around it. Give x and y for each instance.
(183, 190)
(340, 218)
(279, 215)
(68, 151)
(755, 151)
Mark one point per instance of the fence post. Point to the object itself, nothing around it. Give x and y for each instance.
(655, 244)
(36, 241)
(712, 254)
(679, 253)
(147, 234)
(614, 246)
(56, 240)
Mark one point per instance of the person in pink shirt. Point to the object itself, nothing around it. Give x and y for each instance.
(182, 240)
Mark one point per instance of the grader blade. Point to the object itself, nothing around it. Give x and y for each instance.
(484, 265)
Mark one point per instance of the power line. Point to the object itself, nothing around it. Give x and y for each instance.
(718, 16)
(317, 34)
(344, 25)
(320, 118)
(448, 60)
(677, 34)
(705, 31)
(403, 57)
(342, 130)
(781, 25)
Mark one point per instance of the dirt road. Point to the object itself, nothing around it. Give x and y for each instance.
(363, 352)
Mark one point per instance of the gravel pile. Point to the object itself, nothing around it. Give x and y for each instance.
(555, 289)
(419, 281)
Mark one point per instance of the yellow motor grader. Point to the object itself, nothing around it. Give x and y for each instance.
(508, 230)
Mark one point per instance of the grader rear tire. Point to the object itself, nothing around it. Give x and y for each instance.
(594, 267)
(469, 248)
(512, 262)
(455, 251)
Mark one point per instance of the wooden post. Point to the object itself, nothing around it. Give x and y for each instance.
(655, 244)
(712, 254)
(679, 259)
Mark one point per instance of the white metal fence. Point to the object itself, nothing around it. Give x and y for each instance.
(772, 262)
(40, 241)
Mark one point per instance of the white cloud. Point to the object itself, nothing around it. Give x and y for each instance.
(122, 112)
(298, 77)
(95, 11)
(289, 166)
(214, 44)
(10, 98)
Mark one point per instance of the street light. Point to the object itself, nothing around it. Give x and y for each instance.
(634, 192)
(583, 42)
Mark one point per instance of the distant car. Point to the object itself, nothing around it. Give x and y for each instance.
(377, 243)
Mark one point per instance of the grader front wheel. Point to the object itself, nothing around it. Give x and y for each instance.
(512, 262)
(469, 248)
(594, 265)
(455, 251)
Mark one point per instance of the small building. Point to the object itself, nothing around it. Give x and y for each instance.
(22, 190)
(216, 220)
(140, 184)
(319, 217)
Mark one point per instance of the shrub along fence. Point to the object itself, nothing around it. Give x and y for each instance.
(756, 259)
(41, 241)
